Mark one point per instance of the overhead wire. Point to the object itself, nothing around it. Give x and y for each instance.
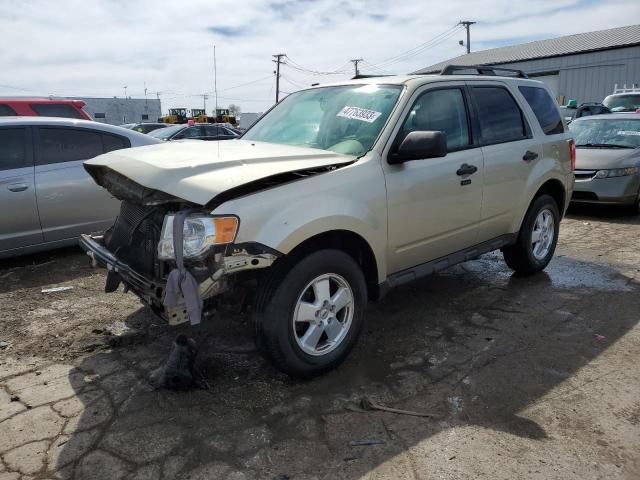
(438, 39)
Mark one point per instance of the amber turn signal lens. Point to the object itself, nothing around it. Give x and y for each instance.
(226, 229)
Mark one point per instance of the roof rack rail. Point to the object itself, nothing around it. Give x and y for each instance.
(360, 75)
(481, 69)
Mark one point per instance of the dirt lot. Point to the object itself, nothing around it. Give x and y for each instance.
(525, 378)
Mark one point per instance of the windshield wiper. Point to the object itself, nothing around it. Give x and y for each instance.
(603, 145)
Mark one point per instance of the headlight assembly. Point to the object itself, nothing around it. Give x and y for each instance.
(200, 233)
(618, 172)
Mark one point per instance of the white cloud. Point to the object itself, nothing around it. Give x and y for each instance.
(75, 47)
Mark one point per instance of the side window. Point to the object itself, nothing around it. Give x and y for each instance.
(13, 142)
(55, 110)
(6, 110)
(191, 132)
(500, 118)
(99, 115)
(544, 109)
(114, 142)
(213, 131)
(58, 145)
(442, 110)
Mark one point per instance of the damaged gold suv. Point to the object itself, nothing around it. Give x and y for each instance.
(335, 195)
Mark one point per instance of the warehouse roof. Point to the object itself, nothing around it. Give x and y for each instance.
(570, 44)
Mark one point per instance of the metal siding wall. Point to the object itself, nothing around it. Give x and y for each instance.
(589, 77)
(131, 109)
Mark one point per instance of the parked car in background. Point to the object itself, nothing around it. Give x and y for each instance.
(623, 102)
(572, 110)
(43, 107)
(46, 197)
(335, 195)
(199, 131)
(146, 127)
(608, 160)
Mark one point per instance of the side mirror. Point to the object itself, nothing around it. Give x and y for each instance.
(420, 145)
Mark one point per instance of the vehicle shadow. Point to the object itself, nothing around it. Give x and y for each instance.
(474, 346)
(611, 214)
(61, 265)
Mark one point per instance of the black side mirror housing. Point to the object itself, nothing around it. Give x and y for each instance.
(420, 145)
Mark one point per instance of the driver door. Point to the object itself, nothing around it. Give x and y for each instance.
(433, 208)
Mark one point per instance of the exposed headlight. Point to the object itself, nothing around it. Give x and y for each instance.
(200, 233)
(618, 172)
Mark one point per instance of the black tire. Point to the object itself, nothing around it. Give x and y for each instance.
(635, 208)
(276, 304)
(520, 256)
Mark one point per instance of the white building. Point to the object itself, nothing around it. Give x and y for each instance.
(117, 110)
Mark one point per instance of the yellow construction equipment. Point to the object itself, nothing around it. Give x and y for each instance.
(176, 115)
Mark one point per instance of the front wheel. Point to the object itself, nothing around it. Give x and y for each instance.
(537, 238)
(310, 314)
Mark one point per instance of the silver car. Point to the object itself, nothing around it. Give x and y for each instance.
(48, 199)
(608, 160)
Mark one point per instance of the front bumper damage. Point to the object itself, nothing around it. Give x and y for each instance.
(218, 277)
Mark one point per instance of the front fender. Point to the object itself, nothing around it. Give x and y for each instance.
(352, 198)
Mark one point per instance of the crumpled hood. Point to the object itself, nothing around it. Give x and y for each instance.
(197, 171)
(606, 158)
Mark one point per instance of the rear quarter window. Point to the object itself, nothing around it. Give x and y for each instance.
(544, 108)
(6, 110)
(114, 142)
(55, 110)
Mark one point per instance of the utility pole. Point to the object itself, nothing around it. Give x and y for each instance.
(204, 100)
(278, 60)
(355, 62)
(215, 81)
(125, 91)
(467, 24)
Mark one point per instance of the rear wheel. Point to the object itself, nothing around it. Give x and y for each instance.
(537, 238)
(310, 314)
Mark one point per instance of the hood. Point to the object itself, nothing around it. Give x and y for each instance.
(198, 171)
(606, 158)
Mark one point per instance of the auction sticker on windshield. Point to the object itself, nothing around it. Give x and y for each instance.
(357, 113)
(627, 132)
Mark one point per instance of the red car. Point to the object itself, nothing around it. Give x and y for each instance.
(43, 107)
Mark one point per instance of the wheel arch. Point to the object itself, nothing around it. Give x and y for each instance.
(353, 245)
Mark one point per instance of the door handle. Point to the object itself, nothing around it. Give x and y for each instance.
(466, 169)
(529, 156)
(17, 187)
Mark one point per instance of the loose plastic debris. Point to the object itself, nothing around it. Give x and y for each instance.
(56, 289)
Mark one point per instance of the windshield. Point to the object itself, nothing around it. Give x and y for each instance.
(166, 132)
(344, 119)
(606, 133)
(622, 103)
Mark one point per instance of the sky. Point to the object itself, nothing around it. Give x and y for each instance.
(96, 48)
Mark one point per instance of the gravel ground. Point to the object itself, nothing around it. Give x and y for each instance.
(523, 377)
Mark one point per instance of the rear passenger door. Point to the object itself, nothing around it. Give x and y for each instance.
(510, 153)
(69, 201)
(19, 223)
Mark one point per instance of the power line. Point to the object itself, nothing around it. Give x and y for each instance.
(420, 48)
(247, 83)
(296, 66)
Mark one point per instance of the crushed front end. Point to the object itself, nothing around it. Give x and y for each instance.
(135, 252)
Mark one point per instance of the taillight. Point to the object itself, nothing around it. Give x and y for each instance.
(572, 153)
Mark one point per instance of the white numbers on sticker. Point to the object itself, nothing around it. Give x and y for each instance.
(357, 113)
